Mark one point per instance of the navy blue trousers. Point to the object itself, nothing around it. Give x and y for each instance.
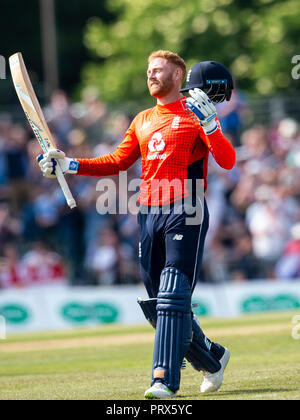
(166, 240)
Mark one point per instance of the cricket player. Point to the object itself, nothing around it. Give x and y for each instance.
(173, 148)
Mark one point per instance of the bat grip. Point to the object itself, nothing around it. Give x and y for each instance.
(64, 186)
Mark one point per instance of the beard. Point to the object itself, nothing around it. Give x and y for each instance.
(162, 87)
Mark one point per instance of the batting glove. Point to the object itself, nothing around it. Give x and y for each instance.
(48, 162)
(200, 104)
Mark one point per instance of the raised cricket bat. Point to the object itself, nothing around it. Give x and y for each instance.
(35, 116)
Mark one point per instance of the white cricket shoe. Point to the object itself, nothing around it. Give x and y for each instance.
(159, 391)
(213, 381)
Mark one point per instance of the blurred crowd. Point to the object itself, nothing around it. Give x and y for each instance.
(254, 208)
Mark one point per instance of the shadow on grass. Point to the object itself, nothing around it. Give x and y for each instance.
(239, 392)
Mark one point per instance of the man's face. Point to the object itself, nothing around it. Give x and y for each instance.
(160, 77)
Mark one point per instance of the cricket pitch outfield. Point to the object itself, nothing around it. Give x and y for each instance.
(114, 362)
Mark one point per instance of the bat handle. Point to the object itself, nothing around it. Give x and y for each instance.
(64, 186)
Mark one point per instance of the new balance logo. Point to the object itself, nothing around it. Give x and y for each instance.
(145, 125)
(177, 237)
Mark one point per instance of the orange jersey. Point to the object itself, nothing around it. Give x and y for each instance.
(172, 147)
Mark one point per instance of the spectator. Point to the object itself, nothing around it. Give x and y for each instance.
(11, 268)
(232, 114)
(105, 258)
(288, 265)
(10, 227)
(42, 266)
(39, 266)
(243, 263)
(59, 117)
(16, 165)
(93, 117)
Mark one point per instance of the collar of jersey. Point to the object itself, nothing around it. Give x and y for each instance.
(171, 107)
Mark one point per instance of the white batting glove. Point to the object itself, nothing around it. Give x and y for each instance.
(48, 162)
(204, 109)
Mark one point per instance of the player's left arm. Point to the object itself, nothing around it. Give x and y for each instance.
(221, 149)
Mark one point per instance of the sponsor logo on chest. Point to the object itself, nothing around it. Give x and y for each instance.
(156, 146)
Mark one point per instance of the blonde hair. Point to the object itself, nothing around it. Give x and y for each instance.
(171, 57)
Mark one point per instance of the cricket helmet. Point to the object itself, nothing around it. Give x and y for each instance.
(213, 78)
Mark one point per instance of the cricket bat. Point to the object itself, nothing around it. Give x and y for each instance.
(35, 116)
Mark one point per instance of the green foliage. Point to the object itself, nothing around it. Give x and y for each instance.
(255, 39)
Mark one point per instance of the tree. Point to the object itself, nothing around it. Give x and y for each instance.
(255, 39)
(21, 31)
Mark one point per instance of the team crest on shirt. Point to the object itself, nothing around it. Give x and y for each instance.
(156, 145)
(175, 123)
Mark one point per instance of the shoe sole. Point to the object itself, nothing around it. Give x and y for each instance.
(152, 396)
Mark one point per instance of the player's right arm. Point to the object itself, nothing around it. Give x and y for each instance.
(121, 159)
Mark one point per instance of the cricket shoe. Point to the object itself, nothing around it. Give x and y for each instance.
(213, 381)
(159, 391)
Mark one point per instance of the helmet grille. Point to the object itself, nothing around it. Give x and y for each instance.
(217, 92)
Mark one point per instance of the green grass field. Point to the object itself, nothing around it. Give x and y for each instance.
(114, 362)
